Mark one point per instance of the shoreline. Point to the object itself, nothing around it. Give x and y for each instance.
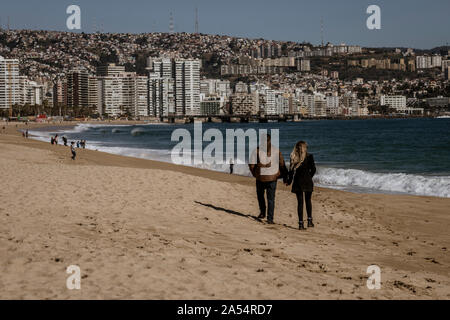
(154, 230)
(357, 189)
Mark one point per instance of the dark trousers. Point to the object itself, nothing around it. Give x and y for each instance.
(270, 188)
(300, 205)
(74, 155)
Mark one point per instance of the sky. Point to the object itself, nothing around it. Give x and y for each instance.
(404, 23)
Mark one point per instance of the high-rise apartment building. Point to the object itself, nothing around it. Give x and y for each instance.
(30, 92)
(436, 61)
(140, 92)
(187, 87)
(161, 96)
(163, 67)
(245, 103)
(9, 83)
(424, 62)
(123, 93)
(109, 69)
(115, 92)
(270, 104)
(174, 86)
(93, 95)
(58, 94)
(77, 88)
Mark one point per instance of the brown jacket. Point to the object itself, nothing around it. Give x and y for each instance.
(264, 172)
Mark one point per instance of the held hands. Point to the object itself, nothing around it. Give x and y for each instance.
(287, 180)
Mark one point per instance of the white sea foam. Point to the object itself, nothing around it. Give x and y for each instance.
(438, 186)
(343, 179)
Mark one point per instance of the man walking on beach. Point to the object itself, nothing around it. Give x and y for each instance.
(267, 165)
(72, 149)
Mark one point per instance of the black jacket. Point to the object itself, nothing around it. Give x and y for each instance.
(303, 176)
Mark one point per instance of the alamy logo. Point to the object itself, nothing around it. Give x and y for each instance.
(74, 20)
(190, 151)
(374, 20)
(374, 280)
(74, 280)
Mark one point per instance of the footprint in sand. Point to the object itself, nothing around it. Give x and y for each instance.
(432, 260)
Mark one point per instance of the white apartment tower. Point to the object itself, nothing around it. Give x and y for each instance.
(119, 92)
(187, 87)
(163, 67)
(9, 83)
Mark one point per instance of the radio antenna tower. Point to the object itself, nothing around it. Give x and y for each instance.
(321, 29)
(196, 20)
(171, 24)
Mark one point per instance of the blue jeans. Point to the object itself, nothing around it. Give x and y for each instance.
(270, 188)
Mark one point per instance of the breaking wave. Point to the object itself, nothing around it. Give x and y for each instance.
(438, 186)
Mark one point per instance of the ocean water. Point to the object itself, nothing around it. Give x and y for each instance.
(410, 156)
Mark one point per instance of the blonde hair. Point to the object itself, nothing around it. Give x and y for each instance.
(298, 155)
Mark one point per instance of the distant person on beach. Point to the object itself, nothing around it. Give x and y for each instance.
(301, 171)
(56, 139)
(26, 134)
(231, 166)
(72, 149)
(266, 176)
(83, 144)
(52, 140)
(64, 140)
(78, 144)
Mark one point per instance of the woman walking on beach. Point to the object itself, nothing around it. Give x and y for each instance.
(302, 169)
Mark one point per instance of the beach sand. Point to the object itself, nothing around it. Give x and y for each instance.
(141, 229)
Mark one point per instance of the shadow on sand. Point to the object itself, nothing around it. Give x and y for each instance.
(240, 214)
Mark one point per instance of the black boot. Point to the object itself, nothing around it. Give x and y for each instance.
(310, 223)
(301, 226)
